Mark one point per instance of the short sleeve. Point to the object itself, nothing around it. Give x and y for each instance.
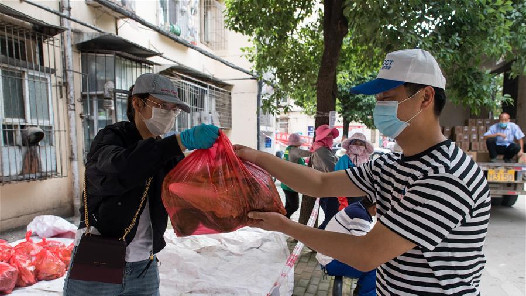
(490, 131)
(518, 133)
(363, 177)
(430, 210)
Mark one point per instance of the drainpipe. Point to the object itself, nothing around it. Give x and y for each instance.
(72, 118)
(258, 123)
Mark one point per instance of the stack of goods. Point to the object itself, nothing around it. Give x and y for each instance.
(212, 191)
(29, 262)
(470, 137)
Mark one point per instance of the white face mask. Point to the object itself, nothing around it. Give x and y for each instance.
(161, 122)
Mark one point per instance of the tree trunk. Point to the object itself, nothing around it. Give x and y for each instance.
(345, 130)
(335, 27)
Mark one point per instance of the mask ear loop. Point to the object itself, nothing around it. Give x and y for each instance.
(408, 121)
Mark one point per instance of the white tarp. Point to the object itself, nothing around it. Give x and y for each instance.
(244, 262)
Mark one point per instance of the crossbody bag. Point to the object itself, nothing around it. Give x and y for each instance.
(98, 258)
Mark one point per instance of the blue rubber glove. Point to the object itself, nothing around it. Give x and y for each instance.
(200, 137)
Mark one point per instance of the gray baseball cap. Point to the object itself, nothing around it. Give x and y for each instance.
(160, 87)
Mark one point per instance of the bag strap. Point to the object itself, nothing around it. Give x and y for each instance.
(129, 228)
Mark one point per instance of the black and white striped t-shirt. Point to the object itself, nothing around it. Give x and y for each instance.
(439, 200)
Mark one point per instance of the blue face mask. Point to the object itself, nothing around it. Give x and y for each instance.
(386, 120)
(503, 125)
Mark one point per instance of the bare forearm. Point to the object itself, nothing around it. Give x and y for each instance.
(298, 177)
(307, 180)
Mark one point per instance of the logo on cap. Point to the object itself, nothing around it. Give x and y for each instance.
(387, 64)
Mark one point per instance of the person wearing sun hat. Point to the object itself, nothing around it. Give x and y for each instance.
(294, 154)
(357, 152)
(432, 200)
(323, 159)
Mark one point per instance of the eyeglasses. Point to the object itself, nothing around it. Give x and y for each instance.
(165, 105)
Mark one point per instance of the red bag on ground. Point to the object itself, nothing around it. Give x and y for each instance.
(212, 191)
(58, 249)
(23, 258)
(6, 251)
(48, 266)
(8, 277)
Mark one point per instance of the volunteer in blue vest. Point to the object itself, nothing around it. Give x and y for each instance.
(432, 200)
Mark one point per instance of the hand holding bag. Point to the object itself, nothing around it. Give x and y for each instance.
(98, 258)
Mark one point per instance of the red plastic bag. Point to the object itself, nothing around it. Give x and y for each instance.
(58, 249)
(343, 202)
(212, 191)
(48, 266)
(8, 277)
(23, 258)
(6, 251)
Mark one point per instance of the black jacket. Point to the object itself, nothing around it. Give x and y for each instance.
(118, 165)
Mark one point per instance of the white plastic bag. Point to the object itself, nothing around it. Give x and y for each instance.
(51, 226)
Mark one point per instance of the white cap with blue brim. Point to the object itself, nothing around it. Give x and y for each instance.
(408, 65)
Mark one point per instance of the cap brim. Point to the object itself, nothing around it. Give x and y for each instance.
(376, 86)
(170, 99)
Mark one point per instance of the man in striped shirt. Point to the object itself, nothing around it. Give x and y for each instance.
(432, 201)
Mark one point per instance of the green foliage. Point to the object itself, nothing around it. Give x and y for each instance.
(356, 108)
(463, 35)
(287, 47)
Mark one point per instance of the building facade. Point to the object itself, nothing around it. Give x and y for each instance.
(65, 71)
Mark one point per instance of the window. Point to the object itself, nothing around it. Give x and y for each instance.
(213, 32)
(180, 17)
(209, 104)
(106, 80)
(283, 125)
(31, 128)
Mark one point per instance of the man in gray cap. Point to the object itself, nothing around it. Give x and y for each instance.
(433, 200)
(127, 162)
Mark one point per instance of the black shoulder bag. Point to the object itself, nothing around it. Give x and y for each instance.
(98, 258)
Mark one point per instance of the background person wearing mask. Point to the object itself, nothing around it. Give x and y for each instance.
(501, 137)
(357, 152)
(432, 201)
(123, 156)
(294, 154)
(324, 160)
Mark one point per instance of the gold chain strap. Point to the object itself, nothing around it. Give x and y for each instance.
(129, 228)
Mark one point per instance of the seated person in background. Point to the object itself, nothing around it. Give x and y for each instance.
(500, 139)
(356, 219)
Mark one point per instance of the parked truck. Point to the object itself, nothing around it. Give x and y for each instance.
(506, 181)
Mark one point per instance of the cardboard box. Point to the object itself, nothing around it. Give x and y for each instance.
(482, 129)
(475, 146)
(482, 156)
(472, 121)
(458, 130)
(474, 137)
(473, 129)
(482, 146)
(488, 122)
(464, 145)
(472, 154)
(480, 122)
(461, 138)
